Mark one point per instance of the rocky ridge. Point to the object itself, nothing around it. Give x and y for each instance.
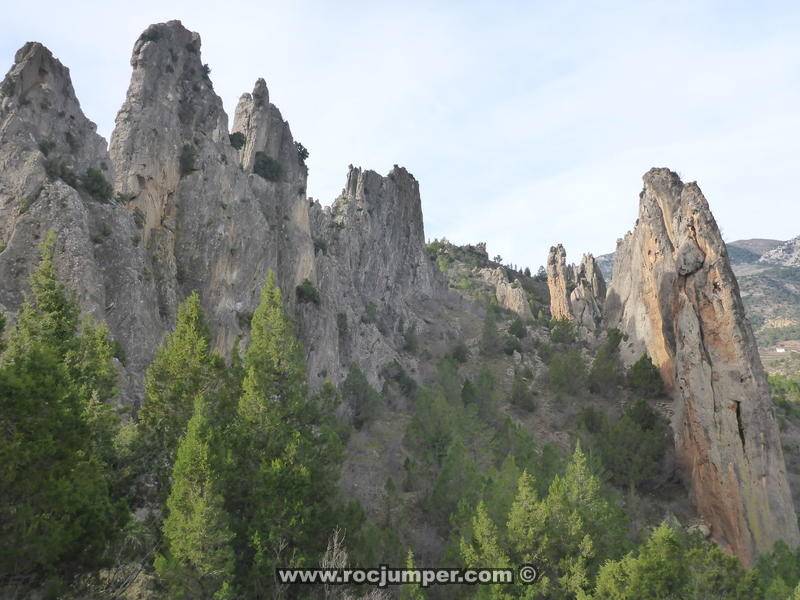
(192, 211)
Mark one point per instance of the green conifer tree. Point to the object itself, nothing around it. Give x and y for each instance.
(411, 591)
(198, 561)
(287, 453)
(182, 368)
(58, 513)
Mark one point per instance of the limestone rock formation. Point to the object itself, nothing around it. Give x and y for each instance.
(559, 279)
(368, 291)
(509, 294)
(52, 162)
(192, 209)
(577, 292)
(675, 296)
(209, 225)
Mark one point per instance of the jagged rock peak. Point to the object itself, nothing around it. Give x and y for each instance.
(264, 130)
(674, 295)
(170, 87)
(38, 101)
(588, 296)
(577, 293)
(375, 212)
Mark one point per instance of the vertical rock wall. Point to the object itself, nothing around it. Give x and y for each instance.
(675, 296)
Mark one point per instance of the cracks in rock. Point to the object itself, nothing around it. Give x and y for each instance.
(739, 423)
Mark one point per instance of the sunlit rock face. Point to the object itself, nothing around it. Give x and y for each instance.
(674, 295)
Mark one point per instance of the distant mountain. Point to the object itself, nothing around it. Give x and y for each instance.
(756, 245)
(786, 254)
(606, 264)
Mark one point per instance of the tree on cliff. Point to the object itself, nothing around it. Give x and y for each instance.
(58, 510)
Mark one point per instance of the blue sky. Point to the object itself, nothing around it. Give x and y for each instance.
(526, 124)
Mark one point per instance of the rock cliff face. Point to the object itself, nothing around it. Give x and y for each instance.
(47, 147)
(372, 265)
(194, 209)
(209, 223)
(675, 296)
(509, 294)
(577, 292)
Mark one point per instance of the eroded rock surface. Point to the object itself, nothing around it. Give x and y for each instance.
(509, 294)
(675, 296)
(47, 147)
(192, 209)
(577, 292)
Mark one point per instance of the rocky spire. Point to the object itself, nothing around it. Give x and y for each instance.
(55, 177)
(675, 296)
(588, 297)
(559, 279)
(577, 292)
(208, 226)
(264, 130)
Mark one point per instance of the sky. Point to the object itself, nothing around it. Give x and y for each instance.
(526, 123)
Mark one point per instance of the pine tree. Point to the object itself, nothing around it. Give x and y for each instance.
(182, 368)
(286, 450)
(198, 561)
(411, 591)
(58, 513)
(485, 549)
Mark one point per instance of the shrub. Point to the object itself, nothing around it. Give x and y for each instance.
(302, 152)
(57, 169)
(306, 292)
(267, 167)
(360, 396)
(567, 372)
(370, 313)
(320, 246)
(521, 395)
(410, 340)
(341, 323)
(490, 338)
(605, 374)
(187, 159)
(518, 328)
(645, 378)
(237, 140)
(562, 331)
(459, 352)
(633, 447)
(395, 372)
(96, 185)
(46, 147)
(511, 344)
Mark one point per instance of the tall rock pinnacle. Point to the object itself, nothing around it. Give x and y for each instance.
(675, 296)
(577, 292)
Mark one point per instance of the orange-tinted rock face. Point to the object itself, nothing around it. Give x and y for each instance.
(675, 296)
